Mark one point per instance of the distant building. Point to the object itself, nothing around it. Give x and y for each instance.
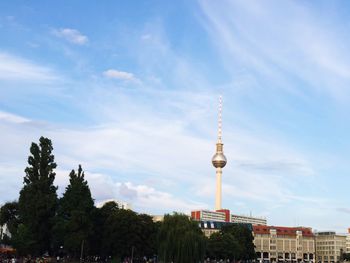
(207, 215)
(248, 219)
(4, 231)
(121, 204)
(348, 242)
(330, 246)
(284, 244)
(157, 218)
(224, 215)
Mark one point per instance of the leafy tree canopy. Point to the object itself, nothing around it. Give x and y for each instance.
(233, 242)
(9, 216)
(180, 240)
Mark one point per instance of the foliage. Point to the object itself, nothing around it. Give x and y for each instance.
(74, 216)
(180, 240)
(243, 234)
(99, 218)
(223, 246)
(37, 200)
(345, 256)
(126, 232)
(9, 216)
(233, 242)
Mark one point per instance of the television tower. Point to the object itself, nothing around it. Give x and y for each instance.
(219, 160)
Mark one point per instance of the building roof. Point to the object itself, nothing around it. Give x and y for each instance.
(280, 230)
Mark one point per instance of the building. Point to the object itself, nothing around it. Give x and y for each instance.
(249, 220)
(157, 218)
(4, 231)
(330, 246)
(207, 215)
(224, 215)
(284, 244)
(348, 242)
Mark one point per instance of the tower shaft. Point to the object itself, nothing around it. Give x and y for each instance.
(218, 189)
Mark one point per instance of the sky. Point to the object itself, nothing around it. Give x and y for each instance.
(130, 89)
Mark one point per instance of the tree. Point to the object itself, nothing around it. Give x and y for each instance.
(74, 217)
(180, 240)
(148, 236)
(223, 246)
(243, 234)
(99, 218)
(346, 256)
(233, 242)
(9, 217)
(121, 233)
(37, 200)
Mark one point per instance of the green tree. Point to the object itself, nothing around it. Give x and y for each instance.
(9, 216)
(74, 217)
(233, 242)
(243, 234)
(148, 236)
(37, 200)
(121, 233)
(180, 240)
(99, 218)
(346, 256)
(223, 246)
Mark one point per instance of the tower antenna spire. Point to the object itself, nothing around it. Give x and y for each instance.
(220, 120)
(219, 159)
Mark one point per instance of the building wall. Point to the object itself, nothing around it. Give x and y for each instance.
(207, 215)
(4, 231)
(248, 219)
(224, 215)
(329, 247)
(348, 243)
(275, 244)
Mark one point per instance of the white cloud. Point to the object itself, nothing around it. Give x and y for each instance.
(116, 74)
(12, 117)
(150, 156)
(71, 35)
(19, 69)
(146, 197)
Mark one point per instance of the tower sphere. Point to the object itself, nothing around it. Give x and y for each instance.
(219, 160)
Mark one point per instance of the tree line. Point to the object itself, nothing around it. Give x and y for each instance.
(41, 223)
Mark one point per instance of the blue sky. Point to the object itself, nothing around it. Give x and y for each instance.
(129, 89)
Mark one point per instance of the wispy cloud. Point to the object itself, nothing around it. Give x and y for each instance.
(12, 117)
(140, 152)
(301, 48)
(121, 75)
(71, 35)
(343, 210)
(18, 69)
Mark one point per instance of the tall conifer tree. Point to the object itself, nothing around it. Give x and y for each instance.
(38, 200)
(75, 213)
